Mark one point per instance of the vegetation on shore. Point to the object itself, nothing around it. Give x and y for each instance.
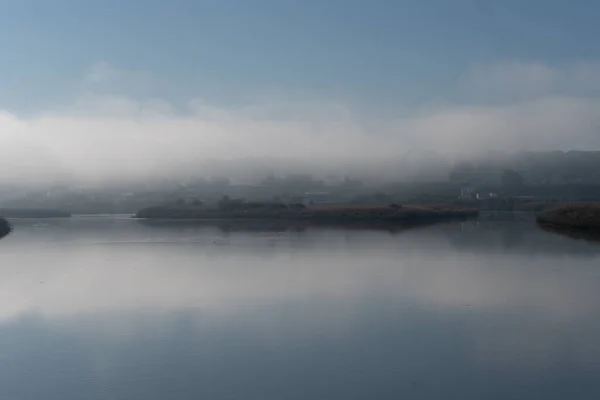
(5, 227)
(334, 214)
(578, 216)
(33, 213)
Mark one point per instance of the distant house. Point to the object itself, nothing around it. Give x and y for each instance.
(467, 193)
(485, 196)
(322, 198)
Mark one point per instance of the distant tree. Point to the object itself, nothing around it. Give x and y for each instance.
(380, 197)
(197, 203)
(276, 206)
(270, 180)
(220, 182)
(462, 172)
(512, 178)
(254, 205)
(349, 183)
(224, 202)
(297, 206)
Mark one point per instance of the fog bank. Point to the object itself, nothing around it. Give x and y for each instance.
(101, 137)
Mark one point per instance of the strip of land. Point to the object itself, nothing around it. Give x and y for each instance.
(330, 214)
(33, 213)
(575, 217)
(5, 227)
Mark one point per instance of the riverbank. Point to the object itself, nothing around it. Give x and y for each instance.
(336, 214)
(574, 217)
(33, 213)
(5, 227)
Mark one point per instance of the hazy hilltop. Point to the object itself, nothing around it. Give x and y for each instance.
(416, 175)
(537, 168)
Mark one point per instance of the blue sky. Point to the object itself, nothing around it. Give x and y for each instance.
(375, 53)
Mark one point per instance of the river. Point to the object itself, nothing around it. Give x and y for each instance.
(110, 308)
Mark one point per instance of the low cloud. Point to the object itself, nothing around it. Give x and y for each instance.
(103, 136)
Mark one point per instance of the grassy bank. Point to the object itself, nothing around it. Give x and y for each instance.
(337, 214)
(33, 213)
(5, 227)
(580, 217)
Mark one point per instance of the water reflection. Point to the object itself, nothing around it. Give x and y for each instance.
(590, 236)
(109, 308)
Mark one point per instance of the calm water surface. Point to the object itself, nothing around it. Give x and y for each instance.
(108, 308)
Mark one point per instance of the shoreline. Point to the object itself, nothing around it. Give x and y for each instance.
(289, 224)
(5, 227)
(576, 217)
(33, 213)
(315, 215)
